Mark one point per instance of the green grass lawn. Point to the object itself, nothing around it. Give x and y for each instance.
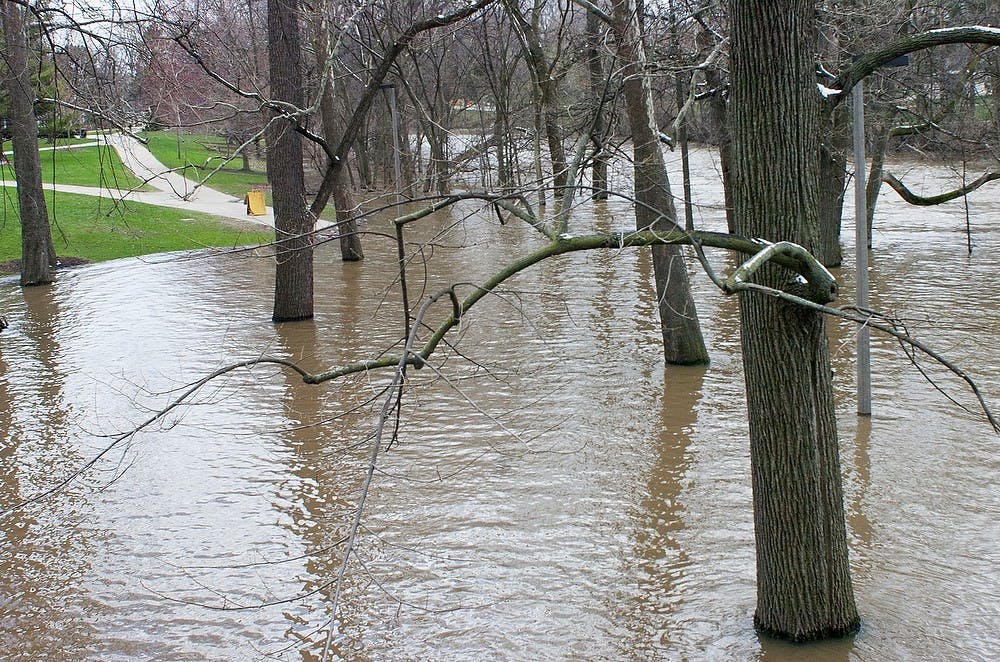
(94, 165)
(97, 165)
(198, 150)
(62, 142)
(984, 108)
(94, 229)
(199, 155)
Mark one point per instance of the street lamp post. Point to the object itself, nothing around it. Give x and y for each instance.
(861, 251)
(861, 241)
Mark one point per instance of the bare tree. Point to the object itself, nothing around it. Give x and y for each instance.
(498, 57)
(293, 224)
(38, 256)
(547, 71)
(333, 179)
(804, 586)
(655, 210)
(865, 60)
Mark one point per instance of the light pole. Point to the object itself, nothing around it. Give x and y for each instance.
(861, 251)
(861, 241)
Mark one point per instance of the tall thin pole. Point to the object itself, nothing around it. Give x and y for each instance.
(861, 251)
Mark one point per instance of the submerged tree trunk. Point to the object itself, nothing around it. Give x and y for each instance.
(833, 149)
(719, 114)
(654, 208)
(438, 171)
(333, 184)
(293, 223)
(335, 187)
(803, 577)
(347, 224)
(874, 182)
(38, 256)
(598, 85)
(832, 187)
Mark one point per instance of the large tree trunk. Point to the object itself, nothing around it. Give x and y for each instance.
(38, 256)
(682, 340)
(293, 223)
(803, 576)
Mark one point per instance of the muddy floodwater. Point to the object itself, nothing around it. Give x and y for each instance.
(554, 493)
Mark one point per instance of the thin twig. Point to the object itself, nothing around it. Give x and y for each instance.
(387, 407)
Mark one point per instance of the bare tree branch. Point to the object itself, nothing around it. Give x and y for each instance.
(866, 65)
(929, 200)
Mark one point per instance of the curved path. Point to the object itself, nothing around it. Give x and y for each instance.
(172, 189)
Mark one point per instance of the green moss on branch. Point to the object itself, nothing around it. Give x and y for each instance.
(796, 260)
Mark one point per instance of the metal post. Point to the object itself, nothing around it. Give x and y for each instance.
(861, 251)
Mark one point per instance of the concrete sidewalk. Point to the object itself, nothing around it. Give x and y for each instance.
(172, 190)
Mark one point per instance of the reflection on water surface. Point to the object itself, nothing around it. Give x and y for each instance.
(555, 493)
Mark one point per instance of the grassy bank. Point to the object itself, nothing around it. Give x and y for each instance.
(95, 229)
(81, 165)
(200, 154)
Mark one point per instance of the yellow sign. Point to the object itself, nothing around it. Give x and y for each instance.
(255, 203)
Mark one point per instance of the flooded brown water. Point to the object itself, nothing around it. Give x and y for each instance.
(555, 492)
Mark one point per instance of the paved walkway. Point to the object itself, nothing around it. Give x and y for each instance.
(172, 189)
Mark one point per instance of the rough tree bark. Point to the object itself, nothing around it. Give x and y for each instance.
(803, 576)
(682, 340)
(38, 256)
(293, 283)
(832, 186)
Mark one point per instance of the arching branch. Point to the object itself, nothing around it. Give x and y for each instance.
(809, 268)
(819, 280)
(929, 200)
(867, 64)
